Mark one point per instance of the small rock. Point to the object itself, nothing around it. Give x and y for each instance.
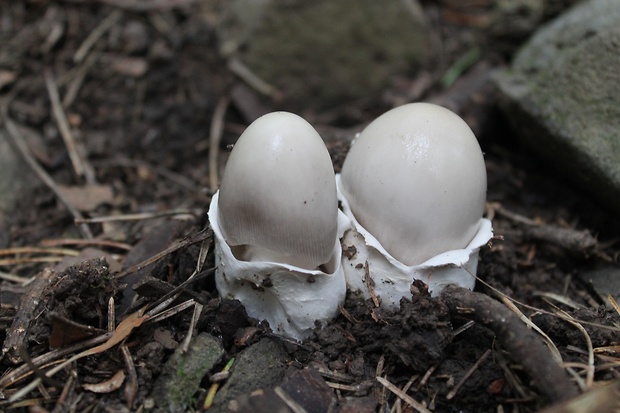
(183, 372)
(358, 405)
(324, 52)
(605, 281)
(562, 95)
(306, 388)
(260, 366)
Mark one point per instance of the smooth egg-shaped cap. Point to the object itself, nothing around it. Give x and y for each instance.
(415, 179)
(278, 193)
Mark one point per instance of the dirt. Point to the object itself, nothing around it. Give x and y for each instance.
(143, 113)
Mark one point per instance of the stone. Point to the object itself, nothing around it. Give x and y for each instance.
(562, 97)
(181, 376)
(259, 366)
(605, 281)
(319, 53)
(305, 388)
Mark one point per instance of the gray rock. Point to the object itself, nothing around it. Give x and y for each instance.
(562, 95)
(182, 373)
(323, 52)
(605, 281)
(260, 366)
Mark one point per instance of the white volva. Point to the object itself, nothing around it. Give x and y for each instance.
(414, 184)
(277, 226)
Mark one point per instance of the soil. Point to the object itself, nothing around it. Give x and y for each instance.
(146, 98)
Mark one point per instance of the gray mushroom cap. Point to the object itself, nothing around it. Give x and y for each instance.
(277, 198)
(415, 178)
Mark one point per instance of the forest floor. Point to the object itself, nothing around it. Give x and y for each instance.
(142, 101)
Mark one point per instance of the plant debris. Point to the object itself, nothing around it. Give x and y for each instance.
(124, 110)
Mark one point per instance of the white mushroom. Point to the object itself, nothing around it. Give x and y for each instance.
(415, 183)
(276, 223)
(278, 194)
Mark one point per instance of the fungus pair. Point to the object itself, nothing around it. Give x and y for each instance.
(412, 190)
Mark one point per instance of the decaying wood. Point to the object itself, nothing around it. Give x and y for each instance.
(29, 310)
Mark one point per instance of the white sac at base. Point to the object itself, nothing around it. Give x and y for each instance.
(391, 279)
(290, 298)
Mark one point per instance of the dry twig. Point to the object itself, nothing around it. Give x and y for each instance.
(419, 407)
(131, 388)
(243, 72)
(80, 166)
(136, 217)
(96, 34)
(148, 5)
(467, 375)
(192, 239)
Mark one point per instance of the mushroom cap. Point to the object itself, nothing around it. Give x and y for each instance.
(278, 193)
(415, 179)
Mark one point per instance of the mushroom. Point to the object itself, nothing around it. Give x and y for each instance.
(277, 226)
(414, 186)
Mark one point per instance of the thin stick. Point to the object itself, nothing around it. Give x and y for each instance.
(78, 80)
(590, 369)
(15, 278)
(81, 168)
(370, 284)
(158, 306)
(289, 401)
(242, 71)
(37, 250)
(148, 5)
(61, 403)
(215, 137)
(86, 242)
(131, 389)
(111, 315)
(467, 375)
(16, 374)
(23, 353)
(135, 217)
(192, 326)
(419, 407)
(556, 353)
(427, 376)
(199, 236)
(202, 254)
(397, 407)
(96, 34)
(17, 141)
(163, 314)
(31, 260)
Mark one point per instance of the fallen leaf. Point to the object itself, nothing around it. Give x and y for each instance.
(6, 78)
(113, 383)
(89, 197)
(65, 331)
(122, 331)
(130, 66)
